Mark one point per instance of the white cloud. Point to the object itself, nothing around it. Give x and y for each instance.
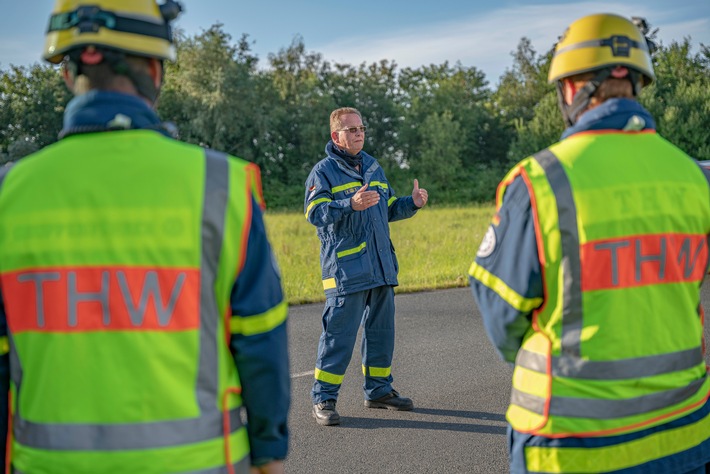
(487, 41)
(698, 30)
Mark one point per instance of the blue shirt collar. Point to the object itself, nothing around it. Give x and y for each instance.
(109, 110)
(613, 114)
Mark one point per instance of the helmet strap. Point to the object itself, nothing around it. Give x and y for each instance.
(636, 79)
(116, 60)
(580, 102)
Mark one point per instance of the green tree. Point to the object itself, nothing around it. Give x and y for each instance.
(460, 93)
(374, 90)
(524, 85)
(439, 161)
(21, 148)
(211, 93)
(679, 99)
(299, 110)
(32, 103)
(541, 131)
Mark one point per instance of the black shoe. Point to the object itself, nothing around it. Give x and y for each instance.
(391, 401)
(325, 414)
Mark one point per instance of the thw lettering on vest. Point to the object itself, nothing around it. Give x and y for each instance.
(102, 299)
(643, 260)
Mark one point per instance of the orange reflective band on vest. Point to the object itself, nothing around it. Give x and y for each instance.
(643, 260)
(125, 298)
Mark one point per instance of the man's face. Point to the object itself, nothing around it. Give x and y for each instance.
(347, 140)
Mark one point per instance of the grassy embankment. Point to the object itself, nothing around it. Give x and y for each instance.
(434, 249)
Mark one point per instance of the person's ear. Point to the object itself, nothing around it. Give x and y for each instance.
(155, 70)
(334, 137)
(569, 90)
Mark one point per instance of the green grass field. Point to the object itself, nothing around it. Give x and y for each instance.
(434, 249)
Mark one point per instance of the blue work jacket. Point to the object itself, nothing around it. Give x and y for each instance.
(356, 252)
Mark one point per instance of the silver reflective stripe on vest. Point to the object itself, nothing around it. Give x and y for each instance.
(213, 215)
(622, 369)
(122, 437)
(569, 237)
(605, 409)
(3, 172)
(242, 467)
(128, 436)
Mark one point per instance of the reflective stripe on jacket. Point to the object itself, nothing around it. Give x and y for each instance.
(117, 294)
(623, 250)
(356, 251)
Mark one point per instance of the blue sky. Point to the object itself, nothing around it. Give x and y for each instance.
(480, 33)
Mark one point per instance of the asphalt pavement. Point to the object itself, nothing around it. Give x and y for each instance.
(444, 362)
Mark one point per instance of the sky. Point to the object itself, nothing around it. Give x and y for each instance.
(478, 33)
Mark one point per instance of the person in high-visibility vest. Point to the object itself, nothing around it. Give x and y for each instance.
(588, 278)
(141, 308)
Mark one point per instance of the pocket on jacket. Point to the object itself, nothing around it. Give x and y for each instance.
(394, 259)
(354, 264)
(334, 302)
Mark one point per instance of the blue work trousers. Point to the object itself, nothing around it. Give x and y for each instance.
(342, 316)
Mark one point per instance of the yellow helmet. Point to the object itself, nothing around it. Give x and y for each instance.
(137, 27)
(601, 41)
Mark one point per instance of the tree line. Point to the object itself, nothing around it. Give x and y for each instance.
(441, 123)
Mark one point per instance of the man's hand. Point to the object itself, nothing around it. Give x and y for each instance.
(273, 467)
(420, 196)
(364, 199)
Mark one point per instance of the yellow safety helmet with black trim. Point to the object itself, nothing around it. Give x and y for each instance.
(137, 27)
(600, 41)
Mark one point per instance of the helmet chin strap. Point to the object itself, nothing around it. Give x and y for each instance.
(143, 82)
(581, 99)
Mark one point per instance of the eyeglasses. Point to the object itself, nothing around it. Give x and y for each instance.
(361, 128)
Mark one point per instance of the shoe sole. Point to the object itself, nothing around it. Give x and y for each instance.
(322, 422)
(373, 404)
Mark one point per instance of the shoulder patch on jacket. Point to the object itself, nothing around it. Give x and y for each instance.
(488, 245)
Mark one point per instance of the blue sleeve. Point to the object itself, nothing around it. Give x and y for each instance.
(4, 379)
(259, 345)
(319, 206)
(400, 208)
(506, 277)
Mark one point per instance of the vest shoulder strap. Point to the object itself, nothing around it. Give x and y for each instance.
(706, 172)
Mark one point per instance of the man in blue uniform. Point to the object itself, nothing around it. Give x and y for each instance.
(351, 203)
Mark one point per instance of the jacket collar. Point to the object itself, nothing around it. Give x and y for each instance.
(367, 162)
(103, 110)
(613, 114)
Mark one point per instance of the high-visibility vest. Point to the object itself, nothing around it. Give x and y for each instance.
(617, 344)
(118, 253)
